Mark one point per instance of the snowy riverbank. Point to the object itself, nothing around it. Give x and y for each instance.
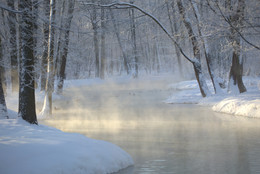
(26, 148)
(246, 104)
(40, 149)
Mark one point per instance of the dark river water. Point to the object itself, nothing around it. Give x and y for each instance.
(161, 138)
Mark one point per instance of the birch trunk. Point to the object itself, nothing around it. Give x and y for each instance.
(47, 105)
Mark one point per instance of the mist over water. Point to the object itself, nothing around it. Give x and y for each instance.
(161, 138)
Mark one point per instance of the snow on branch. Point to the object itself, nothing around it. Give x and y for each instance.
(124, 5)
(235, 28)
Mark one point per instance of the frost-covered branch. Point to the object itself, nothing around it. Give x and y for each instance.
(120, 5)
(233, 27)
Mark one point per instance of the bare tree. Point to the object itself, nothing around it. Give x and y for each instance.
(204, 44)
(45, 45)
(236, 71)
(47, 105)
(3, 108)
(103, 38)
(196, 51)
(64, 52)
(27, 90)
(133, 41)
(116, 30)
(13, 46)
(174, 30)
(94, 23)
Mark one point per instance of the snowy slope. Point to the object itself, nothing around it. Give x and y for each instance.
(33, 149)
(246, 104)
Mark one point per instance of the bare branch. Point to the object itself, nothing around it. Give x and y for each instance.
(120, 5)
(233, 27)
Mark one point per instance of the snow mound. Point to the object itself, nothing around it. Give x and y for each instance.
(26, 148)
(244, 105)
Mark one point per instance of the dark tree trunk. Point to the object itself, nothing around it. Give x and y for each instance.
(236, 71)
(3, 108)
(133, 39)
(44, 60)
(27, 90)
(35, 39)
(13, 47)
(60, 43)
(200, 79)
(65, 48)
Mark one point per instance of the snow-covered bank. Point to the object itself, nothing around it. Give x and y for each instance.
(32, 149)
(246, 104)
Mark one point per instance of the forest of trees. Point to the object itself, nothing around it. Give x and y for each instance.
(42, 43)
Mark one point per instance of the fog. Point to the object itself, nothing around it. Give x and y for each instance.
(111, 105)
(160, 137)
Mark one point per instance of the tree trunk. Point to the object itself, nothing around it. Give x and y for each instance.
(13, 47)
(196, 52)
(60, 43)
(116, 30)
(27, 90)
(66, 47)
(133, 39)
(47, 105)
(236, 71)
(45, 46)
(94, 23)
(200, 79)
(3, 108)
(208, 57)
(35, 39)
(103, 49)
(174, 30)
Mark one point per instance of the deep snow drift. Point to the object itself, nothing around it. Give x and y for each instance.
(33, 149)
(245, 104)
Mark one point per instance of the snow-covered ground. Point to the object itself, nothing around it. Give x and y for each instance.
(33, 149)
(246, 104)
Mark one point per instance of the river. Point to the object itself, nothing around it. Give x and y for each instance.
(161, 138)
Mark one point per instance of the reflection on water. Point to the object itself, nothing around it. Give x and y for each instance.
(162, 138)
